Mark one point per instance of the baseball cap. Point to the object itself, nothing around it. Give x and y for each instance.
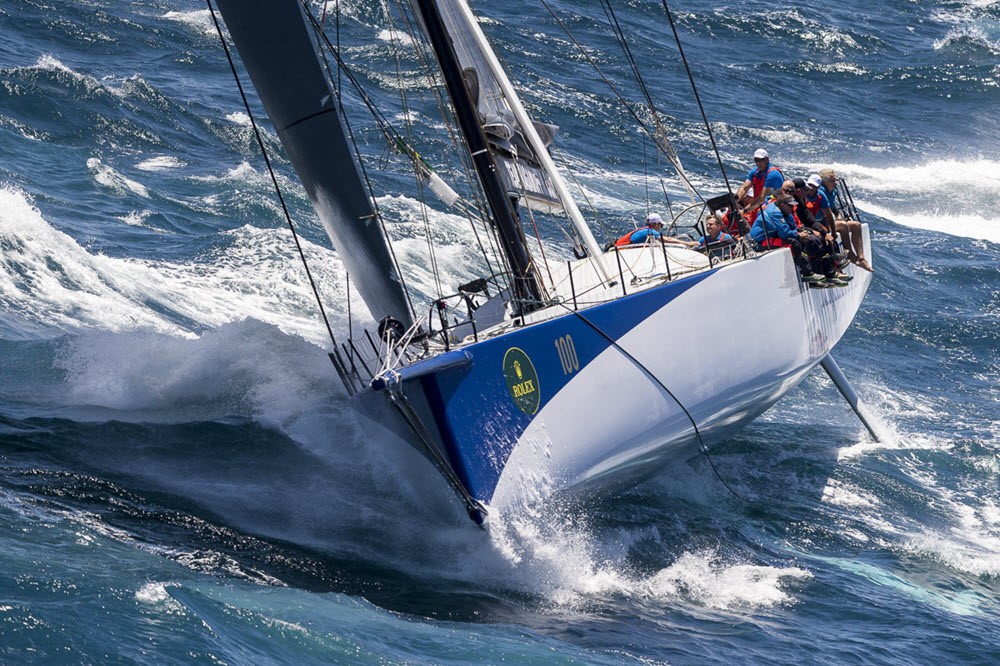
(815, 180)
(799, 182)
(654, 218)
(761, 154)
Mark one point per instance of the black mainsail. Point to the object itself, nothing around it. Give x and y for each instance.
(275, 42)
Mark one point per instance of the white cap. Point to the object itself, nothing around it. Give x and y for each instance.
(761, 154)
(654, 218)
(814, 180)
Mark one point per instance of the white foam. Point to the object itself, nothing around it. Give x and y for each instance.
(200, 20)
(54, 285)
(50, 63)
(914, 195)
(702, 577)
(160, 163)
(962, 225)
(154, 594)
(946, 175)
(239, 118)
(115, 181)
(967, 33)
(395, 36)
(137, 218)
(972, 542)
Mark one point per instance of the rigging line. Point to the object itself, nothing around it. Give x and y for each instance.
(666, 147)
(663, 187)
(609, 12)
(435, 269)
(538, 235)
(448, 121)
(274, 178)
(701, 443)
(393, 137)
(611, 86)
(364, 172)
(590, 204)
(645, 173)
(697, 97)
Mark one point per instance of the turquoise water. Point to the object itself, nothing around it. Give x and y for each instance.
(181, 480)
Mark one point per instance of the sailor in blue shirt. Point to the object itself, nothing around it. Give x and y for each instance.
(714, 234)
(763, 179)
(654, 227)
(776, 227)
(653, 230)
(776, 222)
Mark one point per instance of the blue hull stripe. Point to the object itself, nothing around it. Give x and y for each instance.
(474, 408)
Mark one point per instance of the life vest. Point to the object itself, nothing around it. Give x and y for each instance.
(627, 238)
(758, 186)
(813, 207)
(758, 180)
(730, 223)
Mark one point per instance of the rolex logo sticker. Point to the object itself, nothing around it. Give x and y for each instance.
(522, 380)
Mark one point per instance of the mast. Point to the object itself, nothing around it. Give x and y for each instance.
(525, 281)
(535, 141)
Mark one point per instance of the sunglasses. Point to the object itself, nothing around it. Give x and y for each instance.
(789, 190)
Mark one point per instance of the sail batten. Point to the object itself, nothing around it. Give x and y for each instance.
(276, 45)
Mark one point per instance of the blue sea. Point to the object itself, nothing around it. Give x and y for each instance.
(182, 480)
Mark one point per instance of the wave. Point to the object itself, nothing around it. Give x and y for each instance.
(924, 196)
(971, 35)
(160, 163)
(200, 20)
(50, 284)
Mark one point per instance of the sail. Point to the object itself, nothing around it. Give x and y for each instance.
(519, 167)
(276, 45)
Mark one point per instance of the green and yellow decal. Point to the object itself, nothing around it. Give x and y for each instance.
(522, 380)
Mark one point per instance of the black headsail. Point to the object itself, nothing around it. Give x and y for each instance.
(276, 45)
(526, 287)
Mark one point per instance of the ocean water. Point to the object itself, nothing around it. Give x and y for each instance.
(181, 478)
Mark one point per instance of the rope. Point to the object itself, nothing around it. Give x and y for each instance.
(613, 89)
(422, 58)
(701, 443)
(697, 98)
(404, 103)
(274, 179)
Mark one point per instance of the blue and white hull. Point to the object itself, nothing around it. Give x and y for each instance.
(617, 389)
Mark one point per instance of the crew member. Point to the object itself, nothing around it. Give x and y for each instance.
(763, 179)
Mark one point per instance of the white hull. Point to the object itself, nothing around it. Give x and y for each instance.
(726, 349)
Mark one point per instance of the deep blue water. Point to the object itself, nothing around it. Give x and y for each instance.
(181, 480)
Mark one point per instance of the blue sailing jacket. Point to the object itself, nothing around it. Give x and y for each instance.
(776, 224)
